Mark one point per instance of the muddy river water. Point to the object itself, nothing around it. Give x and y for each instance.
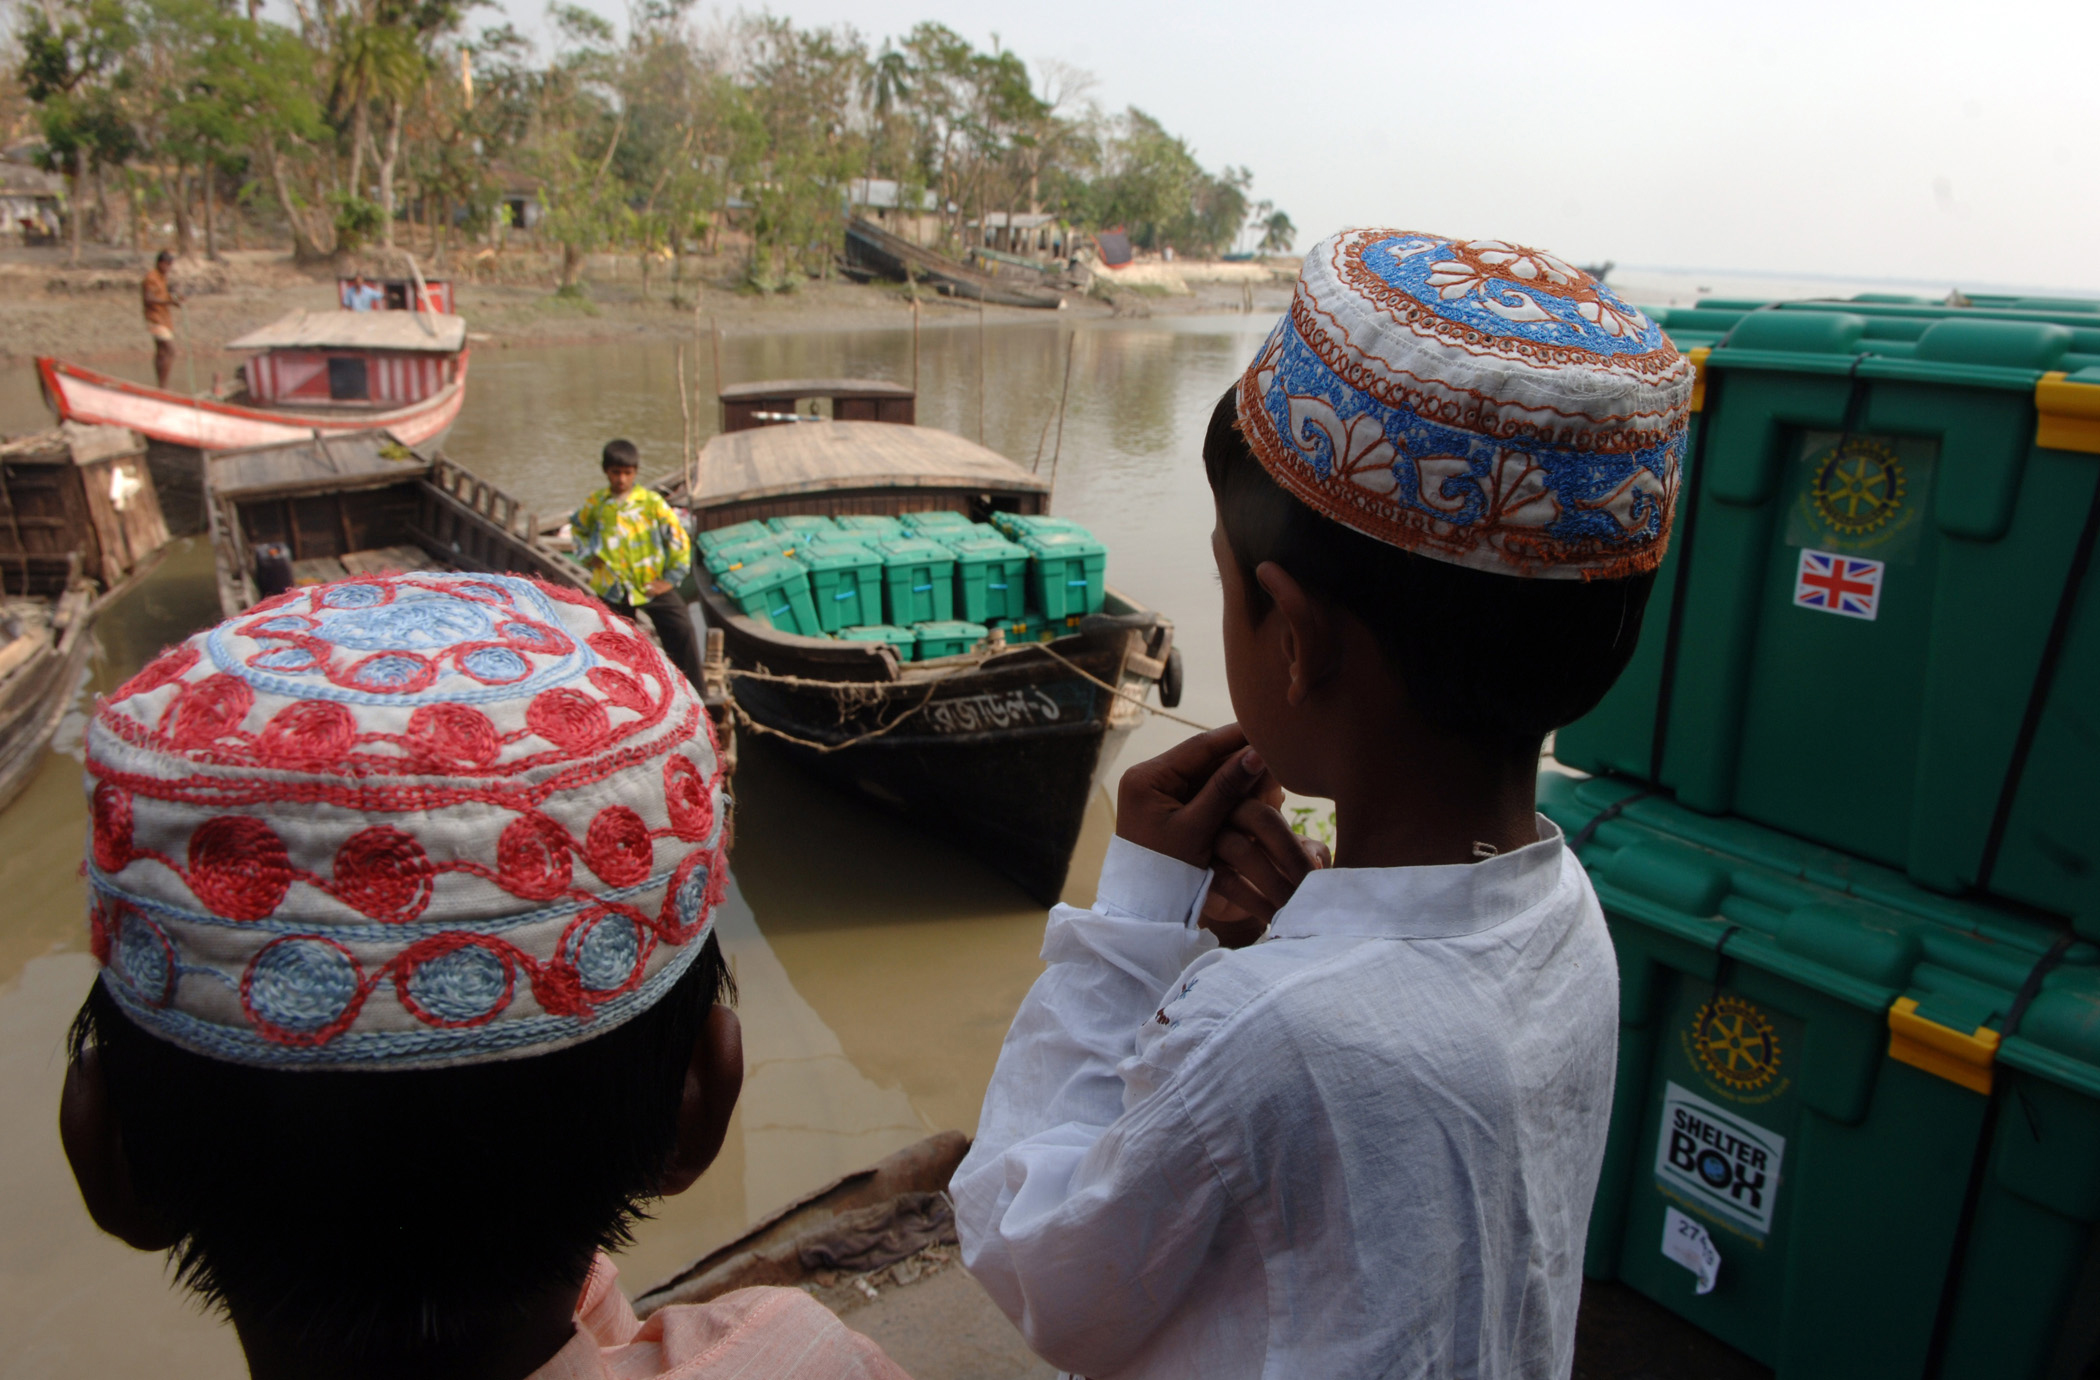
(878, 966)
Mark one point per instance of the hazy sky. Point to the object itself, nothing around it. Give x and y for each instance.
(1945, 142)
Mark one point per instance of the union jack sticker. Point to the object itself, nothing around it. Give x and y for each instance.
(1839, 584)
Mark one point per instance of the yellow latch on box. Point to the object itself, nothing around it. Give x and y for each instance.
(1697, 355)
(1939, 1050)
(2067, 414)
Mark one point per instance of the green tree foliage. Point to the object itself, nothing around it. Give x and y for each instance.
(650, 138)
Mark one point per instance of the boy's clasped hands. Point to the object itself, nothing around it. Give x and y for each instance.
(1210, 801)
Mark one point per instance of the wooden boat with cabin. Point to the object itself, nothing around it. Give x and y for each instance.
(999, 748)
(329, 373)
(331, 507)
(79, 524)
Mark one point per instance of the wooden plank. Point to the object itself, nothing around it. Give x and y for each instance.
(317, 570)
(816, 388)
(814, 457)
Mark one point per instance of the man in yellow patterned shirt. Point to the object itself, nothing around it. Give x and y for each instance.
(638, 553)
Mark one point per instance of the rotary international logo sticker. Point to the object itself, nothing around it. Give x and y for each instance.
(1735, 1044)
(1858, 486)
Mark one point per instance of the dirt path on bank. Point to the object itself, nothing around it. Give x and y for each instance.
(91, 313)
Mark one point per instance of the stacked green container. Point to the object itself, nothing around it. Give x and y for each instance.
(932, 522)
(730, 555)
(871, 526)
(918, 580)
(903, 641)
(946, 638)
(1068, 573)
(1930, 470)
(991, 578)
(845, 583)
(774, 590)
(716, 537)
(802, 526)
(1808, 1050)
(1019, 525)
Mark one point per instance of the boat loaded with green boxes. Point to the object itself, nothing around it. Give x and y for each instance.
(1837, 828)
(928, 584)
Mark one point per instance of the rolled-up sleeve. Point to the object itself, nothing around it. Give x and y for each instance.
(1088, 1201)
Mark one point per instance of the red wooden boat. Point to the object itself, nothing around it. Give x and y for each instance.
(312, 373)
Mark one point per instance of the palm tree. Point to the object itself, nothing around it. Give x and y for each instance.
(380, 62)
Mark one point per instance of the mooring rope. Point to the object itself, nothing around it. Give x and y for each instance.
(843, 690)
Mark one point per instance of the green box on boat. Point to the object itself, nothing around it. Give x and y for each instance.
(1019, 525)
(903, 641)
(959, 533)
(1809, 1046)
(933, 521)
(802, 525)
(948, 638)
(918, 579)
(1068, 573)
(775, 591)
(729, 557)
(1026, 627)
(716, 537)
(873, 526)
(991, 578)
(845, 583)
(1872, 628)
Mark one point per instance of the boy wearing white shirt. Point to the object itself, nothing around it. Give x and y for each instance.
(1366, 1145)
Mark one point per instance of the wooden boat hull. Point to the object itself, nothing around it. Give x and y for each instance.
(1001, 756)
(35, 696)
(878, 251)
(204, 424)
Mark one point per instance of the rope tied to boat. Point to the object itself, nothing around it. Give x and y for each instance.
(850, 695)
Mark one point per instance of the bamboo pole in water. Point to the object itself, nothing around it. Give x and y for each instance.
(685, 416)
(915, 347)
(1071, 343)
(980, 368)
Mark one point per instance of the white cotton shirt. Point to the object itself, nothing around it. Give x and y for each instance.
(1365, 1146)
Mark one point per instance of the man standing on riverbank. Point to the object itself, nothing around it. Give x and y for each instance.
(159, 302)
(638, 553)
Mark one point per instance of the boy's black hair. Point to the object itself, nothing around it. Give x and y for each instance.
(164, 257)
(409, 1213)
(622, 453)
(1489, 659)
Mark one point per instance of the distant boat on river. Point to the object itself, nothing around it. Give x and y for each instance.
(996, 744)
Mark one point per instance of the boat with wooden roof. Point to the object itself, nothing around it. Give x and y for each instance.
(79, 525)
(328, 508)
(999, 745)
(327, 373)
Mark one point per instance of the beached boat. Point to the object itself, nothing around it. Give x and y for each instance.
(78, 525)
(998, 747)
(875, 251)
(330, 373)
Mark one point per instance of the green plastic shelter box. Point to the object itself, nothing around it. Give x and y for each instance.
(717, 537)
(845, 583)
(948, 638)
(2029, 1294)
(1875, 627)
(1068, 573)
(802, 526)
(1019, 525)
(1805, 1071)
(872, 526)
(775, 591)
(729, 557)
(959, 533)
(918, 579)
(932, 521)
(903, 641)
(991, 578)
(1025, 627)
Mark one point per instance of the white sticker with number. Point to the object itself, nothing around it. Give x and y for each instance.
(1687, 1243)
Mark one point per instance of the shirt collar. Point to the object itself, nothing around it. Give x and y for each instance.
(1423, 902)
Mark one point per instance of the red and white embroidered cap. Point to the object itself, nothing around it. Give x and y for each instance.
(402, 821)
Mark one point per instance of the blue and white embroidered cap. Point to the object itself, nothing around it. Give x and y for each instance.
(1475, 402)
(402, 821)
